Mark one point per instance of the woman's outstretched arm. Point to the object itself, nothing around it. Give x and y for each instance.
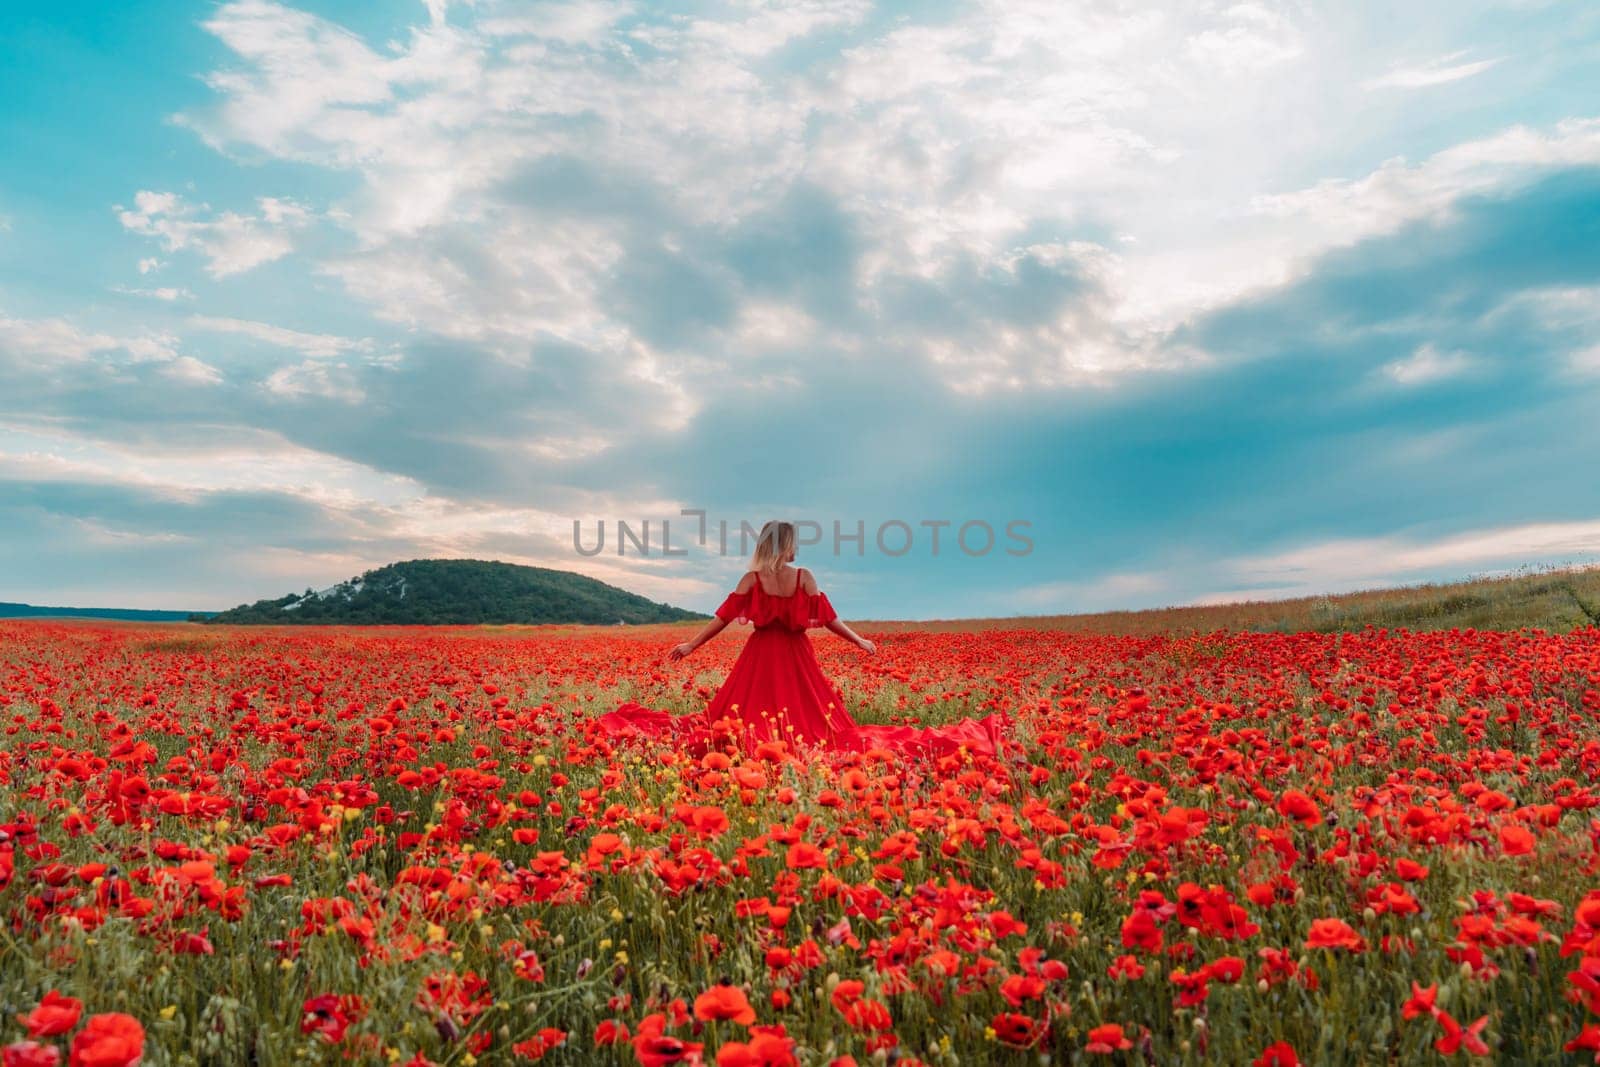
(710, 630)
(809, 580)
(838, 627)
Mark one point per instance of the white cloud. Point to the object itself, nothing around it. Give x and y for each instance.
(100, 533)
(1428, 365)
(43, 345)
(585, 22)
(316, 378)
(1342, 212)
(771, 24)
(166, 293)
(150, 348)
(376, 517)
(1586, 360)
(298, 66)
(239, 459)
(232, 243)
(521, 280)
(1334, 565)
(279, 212)
(40, 340)
(950, 140)
(1251, 37)
(945, 141)
(1276, 237)
(1338, 565)
(1557, 307)
(1568, 314)
(1440, 71)
(316, 345)
(149, 264)
(192, 371)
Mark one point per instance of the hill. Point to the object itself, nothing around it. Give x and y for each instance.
(1553, 599)
(458, 591)
(34, 611)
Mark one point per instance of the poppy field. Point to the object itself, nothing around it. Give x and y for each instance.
(412, 846)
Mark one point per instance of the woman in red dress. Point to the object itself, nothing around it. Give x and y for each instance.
(776, 691)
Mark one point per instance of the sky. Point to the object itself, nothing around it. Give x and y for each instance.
(1218, 300)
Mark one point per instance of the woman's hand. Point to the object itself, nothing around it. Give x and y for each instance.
(867, 646)
(681, 651)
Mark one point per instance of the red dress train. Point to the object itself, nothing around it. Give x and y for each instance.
(777, 692)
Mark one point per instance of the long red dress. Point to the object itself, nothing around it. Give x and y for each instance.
(777, 691)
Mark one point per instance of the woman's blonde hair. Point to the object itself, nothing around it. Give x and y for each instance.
(774, 545)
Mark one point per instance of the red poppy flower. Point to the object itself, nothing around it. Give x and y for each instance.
(1017, 1030)
(1020, 988)
(803, 855)
(610, 1032)
(724, 1002)
(536, 1046)
(1277, 1054)
(653, 1047)
(869, 1016)
(109, 1040)
(767, 1047)
(56, 1014)
(329, 1016)
(847, 993)
(1455, 1037)
(1588, 1040)
(1408, 870)
(1334, 933)
(1107, 1038)
(29, 1054)
(1126, 967)
(1516, 840)
(1421, 1002)
(1298, 806)
(1226, 969)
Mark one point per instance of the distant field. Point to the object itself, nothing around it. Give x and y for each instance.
(1556, 600)
(10, 610)
(1553, 600)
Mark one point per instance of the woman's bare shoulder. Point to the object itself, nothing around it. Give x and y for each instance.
(746, 583)
(809, 580)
